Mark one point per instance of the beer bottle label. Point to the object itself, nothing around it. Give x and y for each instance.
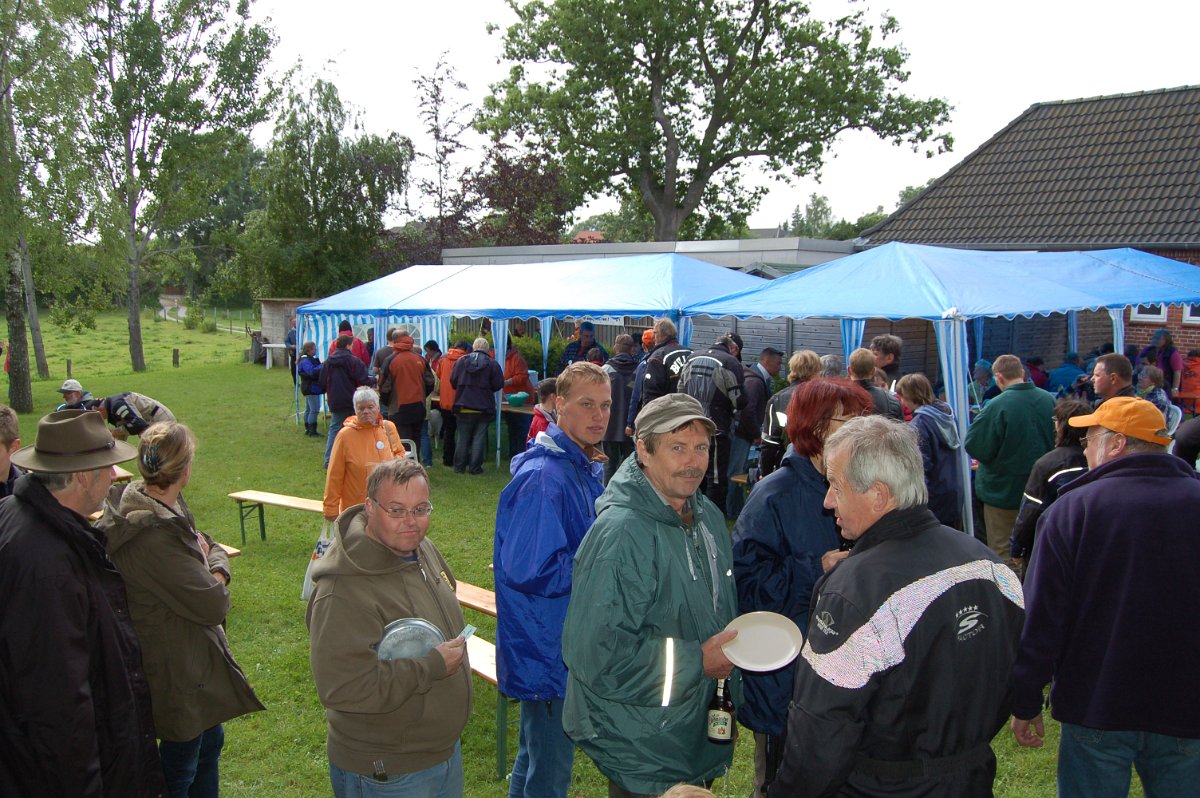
(720, 725)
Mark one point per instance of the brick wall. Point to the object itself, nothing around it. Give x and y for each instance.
(1185, 335)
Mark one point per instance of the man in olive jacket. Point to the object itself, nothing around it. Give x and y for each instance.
(1007, 437)
(653, 590)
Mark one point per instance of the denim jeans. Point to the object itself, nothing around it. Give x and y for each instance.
(472, 439)
(616, 452)
(190, 767)
(312, 408)
(449, 437)
(443, 780)
(517, 425)
(424, 447)
(336, 419)
(1096, 764)
(739, 450)
(545, 754)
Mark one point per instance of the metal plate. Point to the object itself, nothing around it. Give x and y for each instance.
(408, 638)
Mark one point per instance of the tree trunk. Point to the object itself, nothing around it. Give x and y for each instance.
(20, 392)
(31, 309)
(136, 358)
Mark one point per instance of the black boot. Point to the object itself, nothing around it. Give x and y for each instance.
(311, 430)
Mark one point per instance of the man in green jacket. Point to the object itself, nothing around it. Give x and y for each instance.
(1007, 438)
(653, 590)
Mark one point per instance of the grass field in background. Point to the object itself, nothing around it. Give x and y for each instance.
(248, 439)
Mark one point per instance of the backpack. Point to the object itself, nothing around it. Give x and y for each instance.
(702, 377)
(387, 383)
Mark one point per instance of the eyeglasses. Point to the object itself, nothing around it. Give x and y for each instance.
(842, 419)
(1096, 436)
(418, 512)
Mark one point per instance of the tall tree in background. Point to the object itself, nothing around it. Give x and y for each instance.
(522, 197)
(177, 84)
(663, 99)
(446, 119)
(326, 194)
(40, 91)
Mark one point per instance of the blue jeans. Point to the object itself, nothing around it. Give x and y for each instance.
(312, 408)
(545, 754)
(1096, 764)
(424, 447)
(336, 419)
(517, 425)
(739, 450)
(191, 767)
(443, 780)
(472, 438)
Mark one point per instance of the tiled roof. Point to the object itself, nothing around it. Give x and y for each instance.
(1105, 171)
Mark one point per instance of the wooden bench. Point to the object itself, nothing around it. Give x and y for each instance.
(251, 500)
(483, 663)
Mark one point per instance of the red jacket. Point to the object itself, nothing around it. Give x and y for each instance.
(516, 374)
(357, 348)
(445, 389)
(407, 368)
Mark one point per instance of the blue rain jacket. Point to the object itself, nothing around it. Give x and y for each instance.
(542, 517)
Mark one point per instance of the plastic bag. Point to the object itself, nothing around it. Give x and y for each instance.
(323, 543)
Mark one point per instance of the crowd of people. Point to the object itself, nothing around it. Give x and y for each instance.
(657, 492)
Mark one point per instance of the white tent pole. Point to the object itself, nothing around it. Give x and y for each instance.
(500, 343)
(952, 357)
(1072, 331)
(1118, 327)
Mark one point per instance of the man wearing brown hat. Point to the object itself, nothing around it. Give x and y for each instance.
(73, 694)
(652, 593)
(1111, 599)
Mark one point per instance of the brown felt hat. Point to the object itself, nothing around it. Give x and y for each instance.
(70, 441)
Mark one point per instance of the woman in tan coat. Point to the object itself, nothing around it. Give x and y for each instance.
(177, 580)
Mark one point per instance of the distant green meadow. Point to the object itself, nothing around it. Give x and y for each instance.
(243, 416)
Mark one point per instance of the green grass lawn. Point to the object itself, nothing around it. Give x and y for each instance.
(248, 439)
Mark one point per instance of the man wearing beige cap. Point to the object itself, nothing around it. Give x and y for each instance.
(72, 690)
(652, 591)
(73, 396)
(1111, 599)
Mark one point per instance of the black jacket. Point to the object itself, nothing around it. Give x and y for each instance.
(476, 378)
(908, 660)
(74, 702)
(620, 368)
(774, 432)
(662, 370)
(887, 404)
(1050, 474)
(722, 411)
(341, 374)
(750, 420)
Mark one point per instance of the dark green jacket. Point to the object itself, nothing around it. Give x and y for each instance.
(641, 605)
(1007, 438)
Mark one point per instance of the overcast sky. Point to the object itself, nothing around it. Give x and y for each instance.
(990, 60)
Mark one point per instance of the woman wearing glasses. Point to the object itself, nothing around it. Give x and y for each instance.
(365, 440)
(393, 725)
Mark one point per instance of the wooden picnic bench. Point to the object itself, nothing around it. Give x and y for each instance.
(251, 500)
(482, 654)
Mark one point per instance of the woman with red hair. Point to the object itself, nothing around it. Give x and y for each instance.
(783, 542)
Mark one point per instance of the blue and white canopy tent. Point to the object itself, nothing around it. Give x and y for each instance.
(949, 287)
(425, 298)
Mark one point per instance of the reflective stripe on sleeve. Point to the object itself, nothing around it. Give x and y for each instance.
(1032, 499)
(879, 643)
(669, 671)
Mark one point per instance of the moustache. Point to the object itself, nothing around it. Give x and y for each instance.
(690, 473)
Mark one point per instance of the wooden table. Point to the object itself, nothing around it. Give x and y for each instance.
(121, 475)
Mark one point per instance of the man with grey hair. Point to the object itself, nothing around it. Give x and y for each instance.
(905, 674)
(652, 593)
(73, 692)
(1112, 591)
(475, 379)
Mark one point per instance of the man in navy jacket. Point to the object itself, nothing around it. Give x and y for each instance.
(540, 521)
(1112, 590)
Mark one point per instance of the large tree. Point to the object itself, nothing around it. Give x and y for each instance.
(177, 85)
(326, 194)
(668, 99)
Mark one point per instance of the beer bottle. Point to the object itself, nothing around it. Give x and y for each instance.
(721, 716)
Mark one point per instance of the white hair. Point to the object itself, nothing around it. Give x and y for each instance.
(881, 450)
(364, 395)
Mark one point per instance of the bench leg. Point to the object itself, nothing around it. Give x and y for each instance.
(262, 524)
(244, 510)
(501, 735)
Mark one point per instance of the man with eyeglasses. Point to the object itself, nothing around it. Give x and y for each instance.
(1111, 596)
(393, 724)
(541, 519)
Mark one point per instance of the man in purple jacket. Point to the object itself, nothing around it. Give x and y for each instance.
(1113, 585)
